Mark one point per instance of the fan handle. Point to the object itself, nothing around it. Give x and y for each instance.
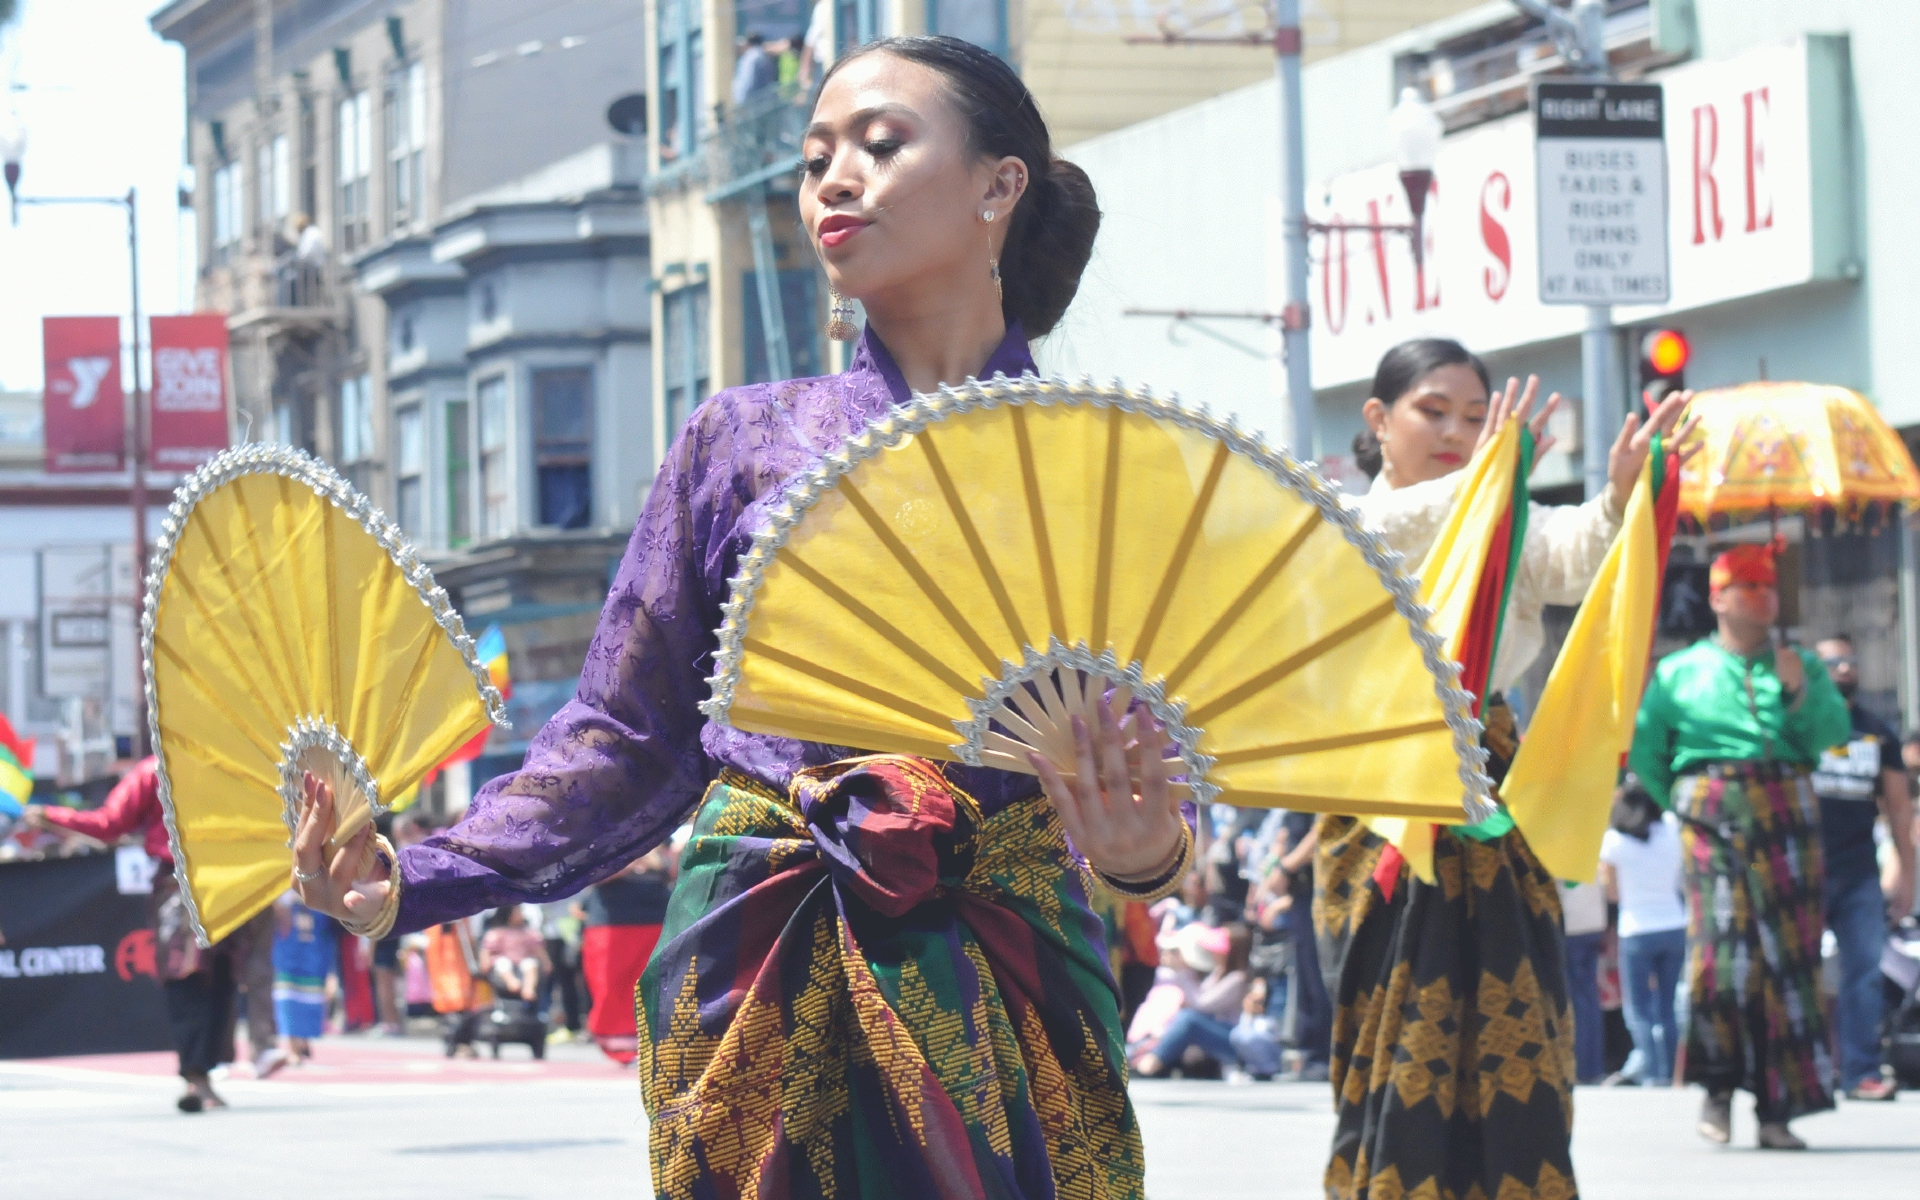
(314, 747)
(351, 810)
(1044, 726)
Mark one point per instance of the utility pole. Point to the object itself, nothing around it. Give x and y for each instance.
(137, 459)
(1296, 316)
(1579, 33)
(136, 443)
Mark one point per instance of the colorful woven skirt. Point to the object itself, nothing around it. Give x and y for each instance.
(1453, 1061)
(1750, 846)
(865, 989)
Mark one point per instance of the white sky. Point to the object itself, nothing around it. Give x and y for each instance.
(104, 105)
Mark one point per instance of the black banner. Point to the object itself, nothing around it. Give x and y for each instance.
(1598, 110)
(77, 967)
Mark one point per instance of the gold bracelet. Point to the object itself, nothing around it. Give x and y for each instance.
(382, 923)
(1163, 883)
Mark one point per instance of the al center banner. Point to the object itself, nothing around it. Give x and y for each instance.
(188, 424)
(85, 411)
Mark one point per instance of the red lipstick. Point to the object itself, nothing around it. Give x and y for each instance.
(836, 228)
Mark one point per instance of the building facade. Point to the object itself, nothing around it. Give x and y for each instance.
(426, 222)
(1788, 191)
(740, 297)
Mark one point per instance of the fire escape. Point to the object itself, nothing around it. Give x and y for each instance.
(754, 157)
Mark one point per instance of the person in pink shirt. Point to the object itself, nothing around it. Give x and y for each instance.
(514, 956)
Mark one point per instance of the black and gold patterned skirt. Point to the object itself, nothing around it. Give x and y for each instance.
(1453, 1061)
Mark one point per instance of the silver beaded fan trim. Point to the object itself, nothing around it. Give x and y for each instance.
(258, 458)
(308, 733)
(925, 409)
(1105, 665)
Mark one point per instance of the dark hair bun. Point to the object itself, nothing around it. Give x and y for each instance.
(1049, 246)
(1366, 453)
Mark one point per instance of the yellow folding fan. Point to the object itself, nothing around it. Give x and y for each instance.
(973, 568)
(290, 628)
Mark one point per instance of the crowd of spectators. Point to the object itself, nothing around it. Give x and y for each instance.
(1227, 983)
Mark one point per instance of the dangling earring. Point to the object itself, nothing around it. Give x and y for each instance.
(993, 264)
(840, 318)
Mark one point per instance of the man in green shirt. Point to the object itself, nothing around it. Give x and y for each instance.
(1728, 732)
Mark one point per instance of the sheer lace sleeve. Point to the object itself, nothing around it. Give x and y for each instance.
(616, 769)
(1566, 543)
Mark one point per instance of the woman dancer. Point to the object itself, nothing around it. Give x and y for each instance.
(1452, 1039)
(878, 977)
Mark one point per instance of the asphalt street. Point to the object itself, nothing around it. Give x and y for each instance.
(373, 1119)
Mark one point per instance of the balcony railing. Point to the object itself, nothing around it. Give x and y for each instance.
(745, 146)
(283, 289)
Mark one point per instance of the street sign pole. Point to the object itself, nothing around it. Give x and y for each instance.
(1601, 153)
(1600, 386)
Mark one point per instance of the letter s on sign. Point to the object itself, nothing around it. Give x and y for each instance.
(1496, 194)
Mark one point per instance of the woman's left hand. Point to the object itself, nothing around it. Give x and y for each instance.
(1517, 405)
(1118, 809)
(1630, 449)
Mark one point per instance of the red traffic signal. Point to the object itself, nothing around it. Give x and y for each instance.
(1664, 353)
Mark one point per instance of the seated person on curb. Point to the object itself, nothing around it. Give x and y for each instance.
(512, 956)
(1207, 1021)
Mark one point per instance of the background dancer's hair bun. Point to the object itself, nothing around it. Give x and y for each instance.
(1050, 236)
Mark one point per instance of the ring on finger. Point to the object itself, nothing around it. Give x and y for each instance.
(307, 876)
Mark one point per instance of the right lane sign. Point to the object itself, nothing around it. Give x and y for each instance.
(1601, 152)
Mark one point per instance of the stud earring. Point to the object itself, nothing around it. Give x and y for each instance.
(840, 318)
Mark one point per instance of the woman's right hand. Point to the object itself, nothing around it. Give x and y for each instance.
(351, 887)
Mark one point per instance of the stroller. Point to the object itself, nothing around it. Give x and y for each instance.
(1900, 973)
(470, 1010)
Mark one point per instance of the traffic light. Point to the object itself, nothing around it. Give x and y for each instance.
(1663, 363)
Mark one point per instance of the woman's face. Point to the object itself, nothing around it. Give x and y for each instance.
(891, 192)
(1430, 429)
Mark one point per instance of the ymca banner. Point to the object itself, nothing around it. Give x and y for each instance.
(188, 424)
(78, 973)
(84, 408)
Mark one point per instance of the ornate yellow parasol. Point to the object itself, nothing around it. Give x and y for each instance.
(1771, 448)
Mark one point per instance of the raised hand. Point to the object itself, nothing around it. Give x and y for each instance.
(1630, 449)
(1515, 403)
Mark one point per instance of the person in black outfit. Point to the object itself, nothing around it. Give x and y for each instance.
(1858, 783)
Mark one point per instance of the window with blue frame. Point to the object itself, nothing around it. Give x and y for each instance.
(679, 91)
(855, 23)
(684, 353)
(773, 20)
(982, 22)
(563, 445)
(797, 307)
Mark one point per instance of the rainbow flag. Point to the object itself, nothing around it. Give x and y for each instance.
(491, 650)
(16, 783)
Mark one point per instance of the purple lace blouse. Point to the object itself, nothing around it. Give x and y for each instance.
(626, 761)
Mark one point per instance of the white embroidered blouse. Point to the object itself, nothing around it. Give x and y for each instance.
(1565, 546)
